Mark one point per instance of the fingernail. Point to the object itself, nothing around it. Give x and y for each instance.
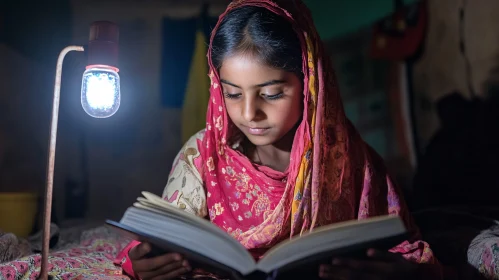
(371, 252)
(186, 265)
(325, 268)
(178, 257)
(336, 261)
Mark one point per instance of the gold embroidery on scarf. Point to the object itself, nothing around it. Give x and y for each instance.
(305, 170)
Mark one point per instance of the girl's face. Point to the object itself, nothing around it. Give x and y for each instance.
(263, 102)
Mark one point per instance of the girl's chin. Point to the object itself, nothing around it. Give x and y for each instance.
(263, 140)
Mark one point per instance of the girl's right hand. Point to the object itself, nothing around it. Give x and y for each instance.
(167, 266)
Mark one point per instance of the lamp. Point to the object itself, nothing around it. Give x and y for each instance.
(100, 98)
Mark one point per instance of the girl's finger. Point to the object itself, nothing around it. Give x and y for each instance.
(162, 270)
(146, 265)
(139, 251)
(340, 273)
(368, 266)
(173, 274)
(384, 255)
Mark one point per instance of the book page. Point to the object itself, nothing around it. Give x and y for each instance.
(216, 244)
(177, 225)
(330, 238)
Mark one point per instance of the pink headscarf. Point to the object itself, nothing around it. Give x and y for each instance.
(333, 175)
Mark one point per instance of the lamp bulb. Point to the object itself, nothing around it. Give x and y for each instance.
(100, 91)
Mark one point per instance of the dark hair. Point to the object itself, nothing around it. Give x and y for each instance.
(258, 31)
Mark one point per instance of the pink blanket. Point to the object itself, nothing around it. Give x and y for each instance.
(92, 258)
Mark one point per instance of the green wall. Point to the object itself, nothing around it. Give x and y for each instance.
(334, 18)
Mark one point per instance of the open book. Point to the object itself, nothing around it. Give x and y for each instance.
(170, 229)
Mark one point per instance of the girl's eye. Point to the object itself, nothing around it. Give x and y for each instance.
(232, 95)
(274, 96)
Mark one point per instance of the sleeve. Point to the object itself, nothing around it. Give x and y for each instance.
(185, 189)
(124, 262)
(380, 196)
(415, 249)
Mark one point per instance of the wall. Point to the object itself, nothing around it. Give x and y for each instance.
(24, 122)
(441, 68)
(334, 18)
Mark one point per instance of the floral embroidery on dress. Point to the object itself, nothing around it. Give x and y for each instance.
(185, 188)
(234, 233)
(261, 205)
(210, 164)
(234, 206)
(218, 209)
(254, 198)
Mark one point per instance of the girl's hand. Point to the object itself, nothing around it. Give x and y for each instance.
(167, 266)
(379, 266)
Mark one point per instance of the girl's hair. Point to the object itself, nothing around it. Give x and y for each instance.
(259, 32)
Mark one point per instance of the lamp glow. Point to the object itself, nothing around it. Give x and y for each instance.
(100, 91)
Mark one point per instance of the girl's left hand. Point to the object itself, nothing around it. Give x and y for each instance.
(380, 265)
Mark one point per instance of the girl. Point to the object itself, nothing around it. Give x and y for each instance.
(278, 157)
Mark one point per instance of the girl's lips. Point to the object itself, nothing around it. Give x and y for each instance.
(257, 130)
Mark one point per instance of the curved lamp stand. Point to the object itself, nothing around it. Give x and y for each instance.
(47, 211)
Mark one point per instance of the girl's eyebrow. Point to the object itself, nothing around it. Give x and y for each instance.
(268, 83)
(229, 83)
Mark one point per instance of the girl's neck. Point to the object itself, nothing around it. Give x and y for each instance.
(276, 156)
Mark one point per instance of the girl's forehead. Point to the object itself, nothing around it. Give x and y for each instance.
(245, 70)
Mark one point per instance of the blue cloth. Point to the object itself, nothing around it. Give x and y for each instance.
(178, 37)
